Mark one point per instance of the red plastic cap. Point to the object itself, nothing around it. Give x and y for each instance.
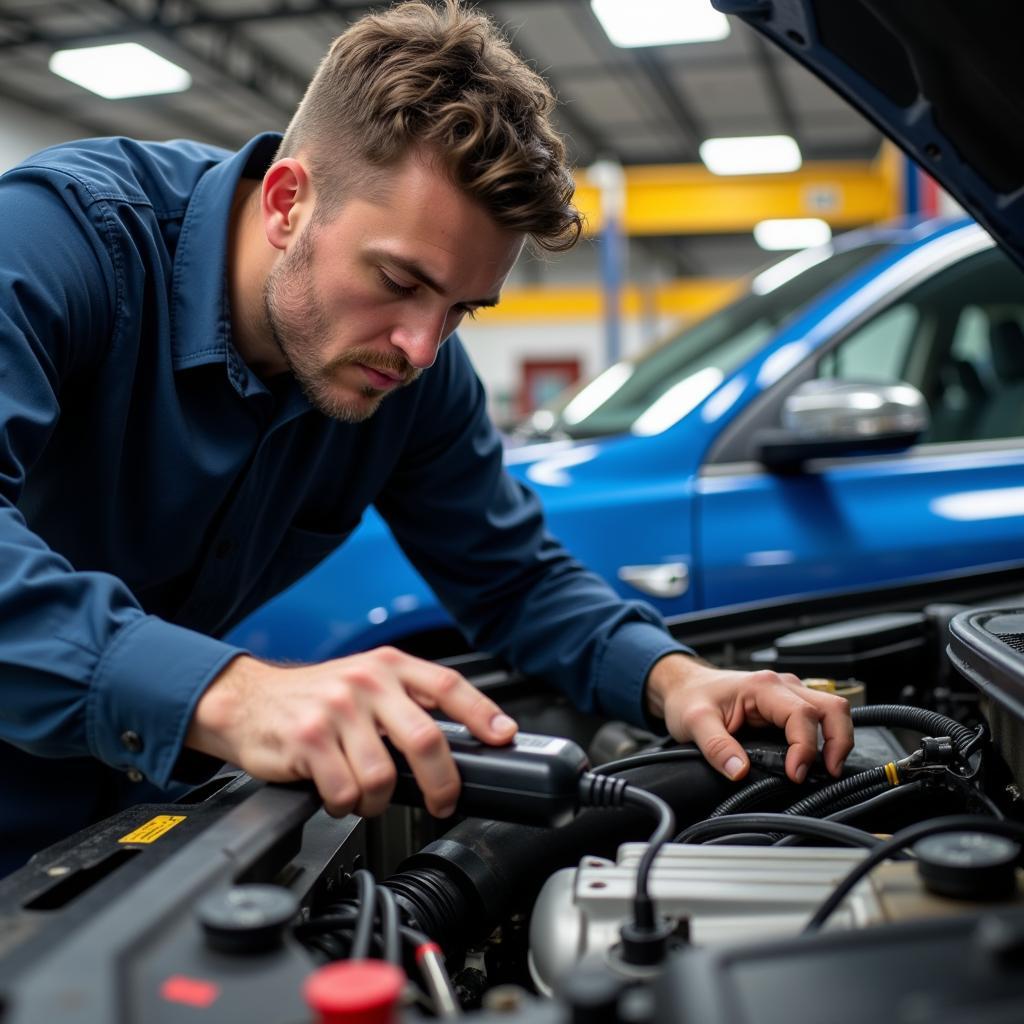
(355, 992)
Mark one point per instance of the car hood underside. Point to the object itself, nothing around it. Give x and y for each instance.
(943, 79)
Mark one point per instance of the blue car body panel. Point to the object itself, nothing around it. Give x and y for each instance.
(741, 532)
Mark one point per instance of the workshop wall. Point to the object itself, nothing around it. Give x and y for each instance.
(24, 131)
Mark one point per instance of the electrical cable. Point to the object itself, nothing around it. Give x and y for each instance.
(872, 803)
(366, 901)
(751, 794)
(742, 839)
(651, 757)
(781, 823)
(643, 905)
(854, 784)
(928, 723)
(906, 837)
(606, 791)
(391, 940)
(980, 736)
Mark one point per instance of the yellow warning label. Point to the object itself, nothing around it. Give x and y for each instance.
(153, 829)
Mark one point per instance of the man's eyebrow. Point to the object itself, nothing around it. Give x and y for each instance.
(414, 270)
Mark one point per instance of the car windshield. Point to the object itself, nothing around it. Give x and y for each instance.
(656, 388)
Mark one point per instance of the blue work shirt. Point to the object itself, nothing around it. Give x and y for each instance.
(153, 490)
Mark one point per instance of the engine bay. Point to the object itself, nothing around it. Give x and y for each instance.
(894, 890)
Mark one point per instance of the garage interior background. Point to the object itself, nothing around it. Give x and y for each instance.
(687, 233)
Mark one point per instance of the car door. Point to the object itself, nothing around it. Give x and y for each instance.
(954, 500)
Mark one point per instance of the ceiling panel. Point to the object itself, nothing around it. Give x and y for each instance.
(548, 32)
(727, 92)
(250, 60)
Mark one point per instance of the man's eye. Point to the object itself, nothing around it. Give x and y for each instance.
(392, 285)
(469, 311)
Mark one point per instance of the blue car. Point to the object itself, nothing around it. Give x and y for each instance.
(856, 417)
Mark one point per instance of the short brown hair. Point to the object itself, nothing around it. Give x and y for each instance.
(444, 78)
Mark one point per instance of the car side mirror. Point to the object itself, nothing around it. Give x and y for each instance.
(830, 418)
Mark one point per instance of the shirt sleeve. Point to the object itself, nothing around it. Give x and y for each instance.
(83, 669)
(477, 535)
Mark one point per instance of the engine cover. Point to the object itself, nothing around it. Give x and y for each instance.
(730, 895)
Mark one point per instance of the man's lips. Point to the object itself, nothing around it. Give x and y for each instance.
(381, 379)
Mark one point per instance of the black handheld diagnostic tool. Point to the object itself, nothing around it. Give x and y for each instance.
(534, 779)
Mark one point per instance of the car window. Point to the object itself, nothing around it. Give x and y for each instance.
(959, 338)
(878, 351)
(649, 392)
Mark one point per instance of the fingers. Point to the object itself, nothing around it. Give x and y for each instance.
(394, 688)
(707, 727)
(791, 706)
(444, 688)
(711, 710)
(418, 737)
(836, 728)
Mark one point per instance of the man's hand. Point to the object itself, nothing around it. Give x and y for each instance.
(324, 722)
(706, 704)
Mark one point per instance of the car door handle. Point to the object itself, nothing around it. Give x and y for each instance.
(666, 579)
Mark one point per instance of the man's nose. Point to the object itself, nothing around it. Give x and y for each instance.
(419, 340)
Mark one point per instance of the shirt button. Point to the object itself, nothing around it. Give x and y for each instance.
(223, 548)
(132, 741)
(134, 775)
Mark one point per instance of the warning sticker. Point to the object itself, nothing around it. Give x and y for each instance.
(153, 829)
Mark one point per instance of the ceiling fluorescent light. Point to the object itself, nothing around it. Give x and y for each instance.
(120, 70)
(794, 233)
(660, 22)
(752, 154)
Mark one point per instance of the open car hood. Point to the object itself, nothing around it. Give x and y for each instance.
(944, 79)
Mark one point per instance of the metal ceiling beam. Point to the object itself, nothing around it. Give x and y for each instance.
(672, 96)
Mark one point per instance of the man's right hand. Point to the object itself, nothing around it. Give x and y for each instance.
(324, 722)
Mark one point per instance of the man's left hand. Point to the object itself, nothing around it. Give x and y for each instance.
(706, 705)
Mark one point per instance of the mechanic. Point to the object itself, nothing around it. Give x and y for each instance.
(198, 346)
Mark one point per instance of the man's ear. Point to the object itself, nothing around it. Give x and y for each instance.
(286, 201)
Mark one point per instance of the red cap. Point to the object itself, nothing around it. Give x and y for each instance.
(355, 992)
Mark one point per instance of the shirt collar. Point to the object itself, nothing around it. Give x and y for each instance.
(201, 311)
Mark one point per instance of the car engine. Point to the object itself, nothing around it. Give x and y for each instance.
(672, 894)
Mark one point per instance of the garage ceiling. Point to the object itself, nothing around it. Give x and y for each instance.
(250, 60)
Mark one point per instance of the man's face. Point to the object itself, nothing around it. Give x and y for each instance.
(360, 305)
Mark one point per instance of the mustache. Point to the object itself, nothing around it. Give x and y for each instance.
(390, 363)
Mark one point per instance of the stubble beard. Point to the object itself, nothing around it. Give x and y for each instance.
(297, 322)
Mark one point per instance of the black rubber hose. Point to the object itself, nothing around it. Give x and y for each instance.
(367, 902)
(784, 823)
(752, 794)
(390, 935)
(928, 723)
